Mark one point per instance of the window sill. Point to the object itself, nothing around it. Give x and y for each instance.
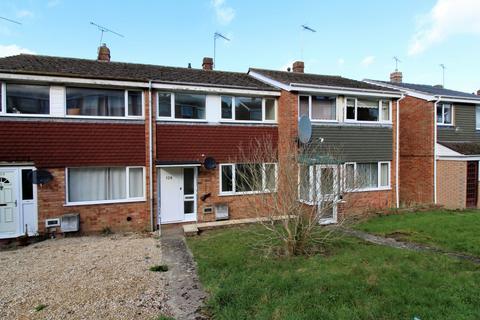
(232, 194)
(105, 117)
(367, 122)
(323, 121)
(247, 122)
(26, 115)
(445, 125)
(369, 190)
(91, 203)
(181, 120)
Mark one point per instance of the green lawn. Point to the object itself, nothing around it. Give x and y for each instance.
(355, 280)
(450, 230)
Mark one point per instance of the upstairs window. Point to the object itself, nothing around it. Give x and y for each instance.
(320, 108)
(444, 114)
(103, 102)
(182, 106)
(477, 117)
(249, 109)
(367, 110)
(27, 99)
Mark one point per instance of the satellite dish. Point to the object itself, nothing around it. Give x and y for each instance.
(40, 176)
(304, 129)
(209, 163)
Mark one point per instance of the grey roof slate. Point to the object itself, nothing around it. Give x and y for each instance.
(85, 68)
(432, 90)
(306, 79)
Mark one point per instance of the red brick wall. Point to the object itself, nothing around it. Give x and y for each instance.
(50, 144)
(93, 218)
(416, 151)
(361, 203)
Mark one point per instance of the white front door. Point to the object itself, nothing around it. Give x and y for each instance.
(177, 201)
(9, 210)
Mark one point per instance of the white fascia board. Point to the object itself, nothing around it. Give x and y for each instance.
(458, 100)
(443, 151)
(218, 90)
(269, 81)
(409, 92)
(346, 91)
(68, 80)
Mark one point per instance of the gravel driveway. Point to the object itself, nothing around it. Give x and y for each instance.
(83, 278)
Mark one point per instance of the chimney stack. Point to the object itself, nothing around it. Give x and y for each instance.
(103, 53)
(396, 77)
(440, 86)
(207, 64)
(298, 66)
(478, 92)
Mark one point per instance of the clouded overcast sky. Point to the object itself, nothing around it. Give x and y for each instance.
(355, 39)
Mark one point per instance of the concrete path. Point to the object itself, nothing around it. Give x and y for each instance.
(407, 245)
(184, 290)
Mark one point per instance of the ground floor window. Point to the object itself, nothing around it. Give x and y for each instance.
(360, 176)
(246, 178)
(105, 184)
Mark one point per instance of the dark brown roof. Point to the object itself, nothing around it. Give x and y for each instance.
(72, 67)
(317, 80)
(465, 148)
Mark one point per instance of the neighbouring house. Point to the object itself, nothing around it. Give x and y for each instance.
(124, 146)
(358, 119)
(439, 144)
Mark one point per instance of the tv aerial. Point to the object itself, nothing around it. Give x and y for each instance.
(443, 74)
(217, 35)
(10, 20)
(307, 28)
(396, 62)
(103, 30)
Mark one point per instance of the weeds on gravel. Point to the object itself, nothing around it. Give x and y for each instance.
(40, 307)
(106, 231)
(159, 268)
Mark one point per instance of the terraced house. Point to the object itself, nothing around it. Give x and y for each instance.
(99, 145)
(439, 144)
(358, 120)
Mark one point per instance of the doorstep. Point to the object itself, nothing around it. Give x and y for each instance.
(194, 228)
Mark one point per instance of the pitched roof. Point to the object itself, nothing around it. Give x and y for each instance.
(307, 79)
(429, 89)
(465, 148)
(84, 68)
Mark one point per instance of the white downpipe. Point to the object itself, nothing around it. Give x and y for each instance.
(150, 155)
(435, 149)
(397, 154)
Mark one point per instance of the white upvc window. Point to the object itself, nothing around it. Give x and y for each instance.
(366, 176)
(444, 114)
(181, 106)
(91, 102)
(21, 99)
(240, 179)
(248, 109)
(367, 110)
(477, 117)
(318, 108)
(102, 185)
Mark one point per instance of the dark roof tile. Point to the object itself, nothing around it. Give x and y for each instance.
(317, 80)
(73, 67)
(465, 148)
(429, 89)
